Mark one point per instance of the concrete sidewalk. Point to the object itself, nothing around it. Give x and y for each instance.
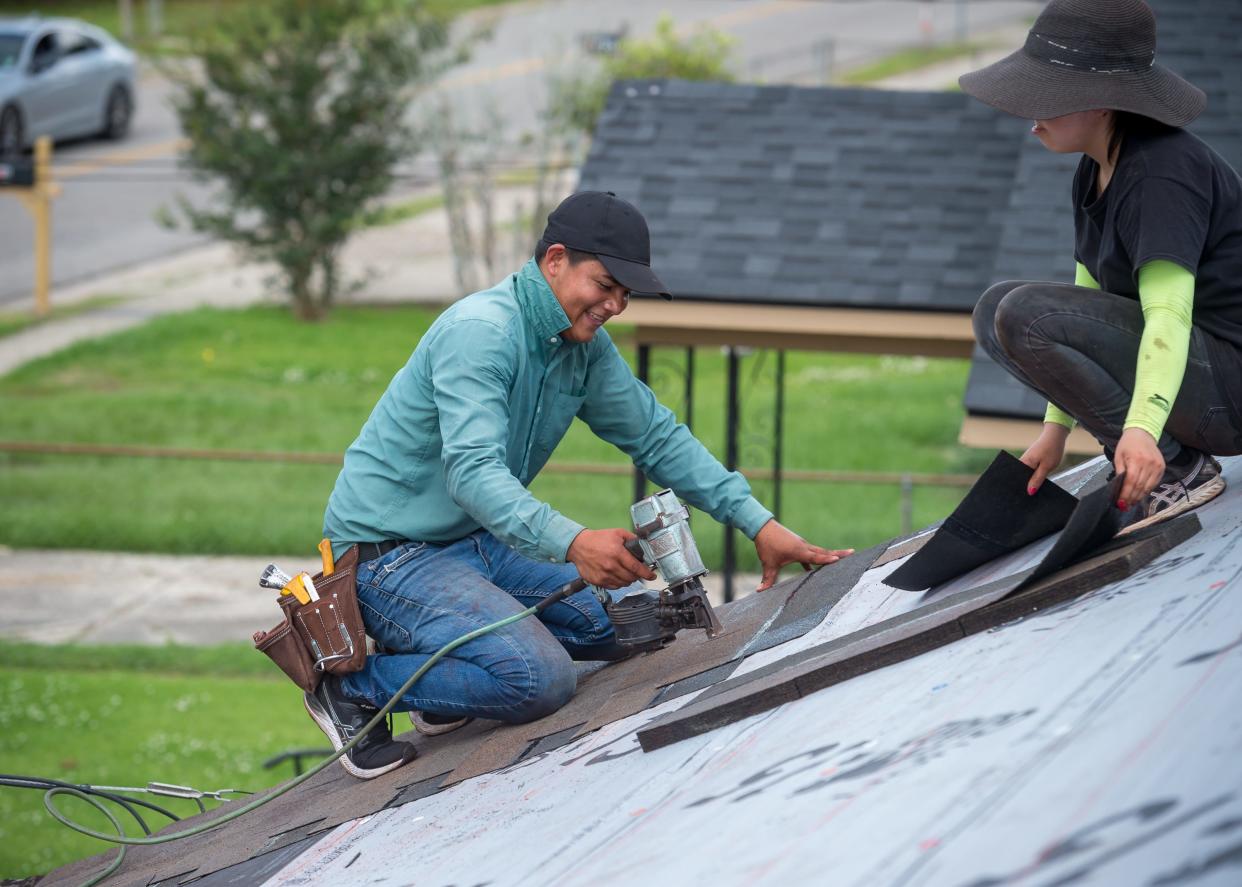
(105, 597)
(110, 597)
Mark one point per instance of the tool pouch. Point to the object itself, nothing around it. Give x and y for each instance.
(283, 646)
(326, 635)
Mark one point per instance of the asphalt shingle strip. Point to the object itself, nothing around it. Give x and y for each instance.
(995, 517)
(252, 871)
(809, 602)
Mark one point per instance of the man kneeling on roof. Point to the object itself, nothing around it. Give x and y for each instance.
(434, 490)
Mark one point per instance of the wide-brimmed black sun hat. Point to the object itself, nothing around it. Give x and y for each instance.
(1082, 55)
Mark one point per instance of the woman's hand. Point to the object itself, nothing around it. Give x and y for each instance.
(1045, 454)
(1139, 458)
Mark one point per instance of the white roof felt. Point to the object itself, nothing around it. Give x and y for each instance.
(1093, 743)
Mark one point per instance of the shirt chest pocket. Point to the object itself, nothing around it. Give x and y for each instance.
(551, 422)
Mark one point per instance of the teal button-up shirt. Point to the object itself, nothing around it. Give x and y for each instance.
(474, 414)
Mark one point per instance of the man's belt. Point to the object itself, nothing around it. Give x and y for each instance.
(369, 551)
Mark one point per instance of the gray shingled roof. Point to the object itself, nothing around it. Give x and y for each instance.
(794, 195)
(872, 198)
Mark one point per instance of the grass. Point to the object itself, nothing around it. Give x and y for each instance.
(180, 17)
(258, 380)
(907, 60)
(125, 716)
(12, 322)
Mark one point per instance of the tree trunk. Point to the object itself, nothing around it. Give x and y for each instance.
(304, 303)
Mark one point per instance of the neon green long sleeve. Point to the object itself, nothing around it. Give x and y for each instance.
(1054, 414)
(1167, 294)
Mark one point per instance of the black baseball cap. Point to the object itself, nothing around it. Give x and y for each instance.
(614, 231)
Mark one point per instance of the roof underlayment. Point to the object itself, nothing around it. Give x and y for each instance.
(1092, 739)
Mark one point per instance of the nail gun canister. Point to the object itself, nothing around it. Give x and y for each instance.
(636, 620)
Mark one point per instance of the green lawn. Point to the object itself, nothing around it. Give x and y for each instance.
(126, 716)
(259, 380)
(180, 17)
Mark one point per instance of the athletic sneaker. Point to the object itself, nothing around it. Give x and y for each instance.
(1175, 495)
(433, 725)
(341, 718)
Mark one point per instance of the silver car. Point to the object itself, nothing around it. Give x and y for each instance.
(62, 78)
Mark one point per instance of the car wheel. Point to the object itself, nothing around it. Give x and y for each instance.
(117, 113)
(11, 136)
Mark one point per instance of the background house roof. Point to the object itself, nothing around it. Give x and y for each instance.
(810, 196)
(872, 198)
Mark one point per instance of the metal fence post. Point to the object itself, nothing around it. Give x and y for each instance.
(778, 442)
(907, 505)
(644, 372)
(731, 419)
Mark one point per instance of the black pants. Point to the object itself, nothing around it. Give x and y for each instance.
(1078, 347)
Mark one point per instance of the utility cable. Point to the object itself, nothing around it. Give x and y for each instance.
(119, 837)
(38, 782)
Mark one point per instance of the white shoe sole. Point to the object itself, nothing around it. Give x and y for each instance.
(427, 729)
(325, 723)
(1198, 496)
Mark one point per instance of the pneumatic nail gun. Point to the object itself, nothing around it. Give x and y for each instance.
(649, 620)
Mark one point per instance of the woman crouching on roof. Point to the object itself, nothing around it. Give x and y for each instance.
(1145, 347)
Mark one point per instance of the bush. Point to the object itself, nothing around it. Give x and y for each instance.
(579, 100)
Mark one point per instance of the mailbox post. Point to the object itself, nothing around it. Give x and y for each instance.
(31, 182)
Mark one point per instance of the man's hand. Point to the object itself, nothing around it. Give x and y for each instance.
(778, 546)
(1045, 454)
(1139, 458)
(602, 560)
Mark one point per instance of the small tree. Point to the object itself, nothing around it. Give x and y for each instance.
(296, 112)
(702, 56)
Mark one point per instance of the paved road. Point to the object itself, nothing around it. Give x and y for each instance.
(105, 218)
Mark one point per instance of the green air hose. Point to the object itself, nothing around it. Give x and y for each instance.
(121, 838)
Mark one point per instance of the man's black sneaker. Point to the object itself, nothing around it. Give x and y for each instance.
(342, 718)
(434, 725)
(1174, 495)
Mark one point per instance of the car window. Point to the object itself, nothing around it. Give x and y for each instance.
(47, 44)
(75, 42)
(10, 50)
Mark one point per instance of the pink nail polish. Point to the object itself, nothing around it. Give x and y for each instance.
(1030, 491)
(1121, 503)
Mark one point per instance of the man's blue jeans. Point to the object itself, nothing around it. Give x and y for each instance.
(419, 596)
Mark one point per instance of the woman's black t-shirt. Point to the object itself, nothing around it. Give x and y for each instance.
(1171, 197)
